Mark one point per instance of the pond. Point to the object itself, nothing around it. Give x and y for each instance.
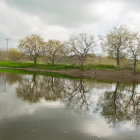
(40, 107)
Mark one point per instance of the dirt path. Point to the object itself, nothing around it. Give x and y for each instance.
(108, 75)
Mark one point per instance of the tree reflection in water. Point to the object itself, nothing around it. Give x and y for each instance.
(37, 87)
(10, 79)
(77, 96)
(54, 88)
(74, 93)
(120, 105)
(29, 89)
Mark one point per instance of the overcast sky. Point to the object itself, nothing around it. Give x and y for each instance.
(57, 19)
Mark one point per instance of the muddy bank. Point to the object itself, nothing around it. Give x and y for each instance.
(107, 75)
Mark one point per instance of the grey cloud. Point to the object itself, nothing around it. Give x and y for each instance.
(133, 2)
(17, 20)
(133, 5)
(67, 13)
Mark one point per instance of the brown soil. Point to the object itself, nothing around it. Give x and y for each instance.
(107, 75)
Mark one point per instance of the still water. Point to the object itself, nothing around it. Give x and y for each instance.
(36, 107)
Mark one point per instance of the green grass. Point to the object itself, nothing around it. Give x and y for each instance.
(50, 67)
(58, 75)
(31, 65)
(101, 67)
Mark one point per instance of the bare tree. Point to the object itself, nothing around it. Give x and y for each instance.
(81, 45)
(54, 50)
(115, 43)
(133, 48)
(32, 46)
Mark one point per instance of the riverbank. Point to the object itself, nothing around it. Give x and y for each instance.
(106, 75)
(99, 72)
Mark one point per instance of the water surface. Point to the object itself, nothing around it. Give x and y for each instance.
(37, 107)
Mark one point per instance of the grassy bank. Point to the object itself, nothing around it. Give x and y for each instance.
(58, 75)
(74, 73)
(50, 67)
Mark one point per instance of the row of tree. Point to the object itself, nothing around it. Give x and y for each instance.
(120, 42)
(35, 47)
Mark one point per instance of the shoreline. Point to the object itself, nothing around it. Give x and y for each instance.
(107, 75)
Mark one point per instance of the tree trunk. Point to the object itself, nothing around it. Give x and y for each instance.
(118, 63)
(35, 61)
(82, 65)
(115, 99)
(118, 59)
(135, 63)
(53, 62)
(34, 77)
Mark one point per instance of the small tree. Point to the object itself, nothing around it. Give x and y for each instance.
(14, 54)
(115, 43)
(54, 50)
(2, 54)
(133, 48)
(81, 45)
(33, 46)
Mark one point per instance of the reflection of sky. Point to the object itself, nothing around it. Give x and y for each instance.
(2, 84)
(11, 106)
(96, 93)
(93, 125)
